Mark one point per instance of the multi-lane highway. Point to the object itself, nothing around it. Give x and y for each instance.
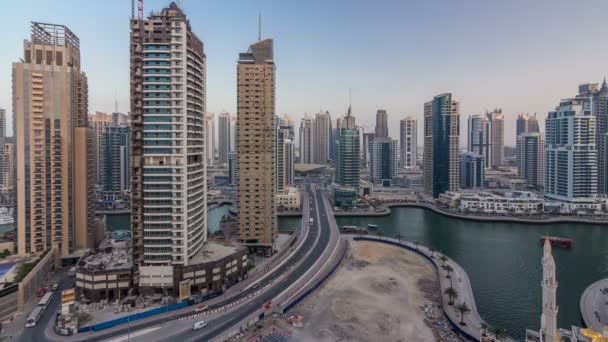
(295, 270)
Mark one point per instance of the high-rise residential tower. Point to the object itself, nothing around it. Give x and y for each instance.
(348, 171)
(367, 138)
(383, 160)
(497, 134)
(98, 122)
(530, 153)
(168, 155)
(527, 123)
(55, 190)
(408, 141)
(321, 138)
(225, 127)
(597, 99)
(285, 154)
(306, 140)
(257, 218)
(210, 138)
(441, 145)
(478, 137)
(570, 152)
(381, 124)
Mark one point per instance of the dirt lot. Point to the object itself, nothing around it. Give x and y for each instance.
(377, 294)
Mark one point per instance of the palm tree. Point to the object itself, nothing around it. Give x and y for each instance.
(464, 309)
(452, 295)
(443, 259)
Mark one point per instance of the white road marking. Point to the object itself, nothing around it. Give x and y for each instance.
(133, 334)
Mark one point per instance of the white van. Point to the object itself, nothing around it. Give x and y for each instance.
(199, 325)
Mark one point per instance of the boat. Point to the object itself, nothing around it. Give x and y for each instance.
(372, 226)
(557, 241)
(354, 230)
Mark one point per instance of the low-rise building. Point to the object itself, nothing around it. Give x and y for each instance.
(514, 203)
(288, 199)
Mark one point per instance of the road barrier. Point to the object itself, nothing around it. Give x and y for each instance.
(317, 285)
(455, 326)
(133, 317)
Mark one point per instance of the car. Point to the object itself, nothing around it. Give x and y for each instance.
(55, 287)
(199, 325)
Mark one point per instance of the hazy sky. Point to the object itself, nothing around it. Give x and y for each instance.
(522, 56)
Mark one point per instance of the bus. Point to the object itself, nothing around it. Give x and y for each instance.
(46, 300)
(34, 316)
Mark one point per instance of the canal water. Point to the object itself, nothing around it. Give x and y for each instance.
(503, 261)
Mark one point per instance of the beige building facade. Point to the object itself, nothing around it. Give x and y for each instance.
(257, 219)
(54, 202)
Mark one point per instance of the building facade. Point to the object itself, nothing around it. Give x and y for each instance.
(306, 139)
(497, 134)
(381, 124)
(570, 152)
(256, 120)
(55, 190)
(210, 138)
(383, 159)
(285, 156)
(348, 171)
(168, 155)
(441, 145)
(530, 151)
(479, 140)
(408, 142)
(366, 138)
(527, 123)
(225, 134)
(472, 167)
(321, 138)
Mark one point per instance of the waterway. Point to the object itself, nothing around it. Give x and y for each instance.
(503, 261)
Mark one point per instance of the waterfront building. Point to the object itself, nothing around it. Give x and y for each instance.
(527, 123)
(408, 142)
(381, 124)
(345, 197)
(210, 138)
(383, 158)
(478, 137)
(257, 217)
(497, 134)
(285, 155)
(168, 155)
(289, 199)
(349, 162)
(321, 137)
(112, 147)
(441, 145)
(55, 190)
(306, 140)
(226, 127)
(570, 152)
(472, 167)
(367, 137)
(530, 151)
(510, 203)
(597, 101)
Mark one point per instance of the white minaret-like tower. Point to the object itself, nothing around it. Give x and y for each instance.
(548, 320)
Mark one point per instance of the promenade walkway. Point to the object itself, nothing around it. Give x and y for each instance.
(593, 305)
(458, 280)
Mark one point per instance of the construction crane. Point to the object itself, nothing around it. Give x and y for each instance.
(140, 9)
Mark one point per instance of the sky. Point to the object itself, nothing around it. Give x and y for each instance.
(521, 56)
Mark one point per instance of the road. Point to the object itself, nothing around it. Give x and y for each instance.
(593, 305)
(247, 301)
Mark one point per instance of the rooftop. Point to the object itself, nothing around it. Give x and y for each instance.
(112, 254)
(214, 251)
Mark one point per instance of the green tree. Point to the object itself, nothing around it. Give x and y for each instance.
(452, 295)
(464, 309)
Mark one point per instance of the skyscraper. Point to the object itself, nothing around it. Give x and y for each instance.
(381, 124)
(570, 152)
(383, 159)
(479, 140)
(367, 138)
(55, 193)
(321, 137)
(598, 102)
(257, 218)
(527, 123)
(98, 122)
(348, 171)
(441, 145)
(285, 155)
(306, 139)
(210, 138)
(168, 155)
(497, 134)
(472, 170)
(3, 156)
(225, 127)
(530, 151)
(408, 139)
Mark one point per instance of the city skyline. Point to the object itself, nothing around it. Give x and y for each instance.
(493, 76)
